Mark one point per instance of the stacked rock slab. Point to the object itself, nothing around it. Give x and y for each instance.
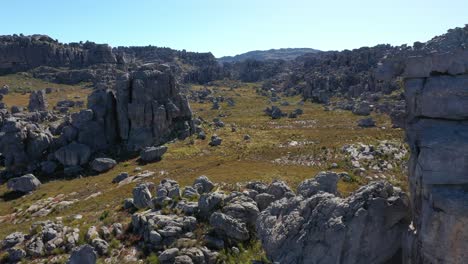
(150, 109)
(436, 89)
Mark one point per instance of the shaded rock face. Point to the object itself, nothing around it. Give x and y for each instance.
(150, 109)
(25, 184)
(436, 89)
(365, 227)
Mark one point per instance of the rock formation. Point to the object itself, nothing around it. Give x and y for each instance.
(366, 227)
(436, 88)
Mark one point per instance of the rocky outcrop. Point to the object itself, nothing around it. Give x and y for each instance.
(150, 109)
(21, 53)
(436, 89)
(366, 227)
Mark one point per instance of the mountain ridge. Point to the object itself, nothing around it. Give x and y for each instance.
(271, 54)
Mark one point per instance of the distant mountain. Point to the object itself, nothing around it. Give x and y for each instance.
(272, 54)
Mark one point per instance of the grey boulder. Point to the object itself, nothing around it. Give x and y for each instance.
(150, 154)
(26, 183)
(83, 255)
(103, 164)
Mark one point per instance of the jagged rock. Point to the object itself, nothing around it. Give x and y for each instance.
(362, 108)
(365, 227)
(214, 242)
(279, 189)
(101, 246)
(37, 101)
(26, 183)
(264, 200)
(168, 188)
(168, 254)
(203, 185)
(48, 167)
(142, 195)
(274, 112)
(366, 122)
(190, 192)
(35, 247)
(152, 153)
(83, 255)
(128, 203)
(12, 240)
(241, 207)
(227, 226)
(103, 164)
(436, 128)
(73, 154)
(209, 203)
(215, 141)
(325, 181)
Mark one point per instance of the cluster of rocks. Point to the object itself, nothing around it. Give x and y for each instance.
(276, 113)
(49, 238)
(384, 156)
(143, 111)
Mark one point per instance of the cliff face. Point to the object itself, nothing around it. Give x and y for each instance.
(436, 87)
(22, 53)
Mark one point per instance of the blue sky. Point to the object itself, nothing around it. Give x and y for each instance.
(232, 27)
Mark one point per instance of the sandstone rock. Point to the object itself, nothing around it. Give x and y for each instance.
(325, 181)
(26, 183)
(203, 185)
(150, 154)
(142, 196)
(103, 164)
(226, 226)
(366, 227)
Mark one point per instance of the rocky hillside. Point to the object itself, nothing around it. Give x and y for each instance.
(272, 54)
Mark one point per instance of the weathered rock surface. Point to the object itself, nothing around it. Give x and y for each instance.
(436, 89)
(149, 154)
(103, 164)
(366, 227)
(37, 101)
(26, 183)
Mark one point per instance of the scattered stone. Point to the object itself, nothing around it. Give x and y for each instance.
(366, 122)
(215, 141)
(103, 164)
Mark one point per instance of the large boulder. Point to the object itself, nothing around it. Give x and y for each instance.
(153, 153)
(37, 101)
(142, 195)
(366, 227)
(83, 255)
(103, 164)
(26, 183)
(229, 227)
(325, 181)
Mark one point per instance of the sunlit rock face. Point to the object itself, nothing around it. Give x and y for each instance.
(436, 89)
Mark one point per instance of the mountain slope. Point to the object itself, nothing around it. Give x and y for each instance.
(272, 54)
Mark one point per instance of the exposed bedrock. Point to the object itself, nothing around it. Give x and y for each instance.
(437, 131)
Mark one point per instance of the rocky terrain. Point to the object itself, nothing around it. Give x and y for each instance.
(104, 153)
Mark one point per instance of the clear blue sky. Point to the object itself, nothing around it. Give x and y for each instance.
(235, 26)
